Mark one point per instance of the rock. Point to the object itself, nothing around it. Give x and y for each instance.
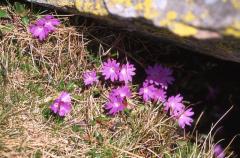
(211, 27)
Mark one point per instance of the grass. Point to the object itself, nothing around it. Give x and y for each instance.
(33, 74)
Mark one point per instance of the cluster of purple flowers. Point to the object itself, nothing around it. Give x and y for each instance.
(178, 111)
(43, 27)
(154, 89)
(157, 81)
(115, 72)
(118, 99)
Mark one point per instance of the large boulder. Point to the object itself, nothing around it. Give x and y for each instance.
(211, 27)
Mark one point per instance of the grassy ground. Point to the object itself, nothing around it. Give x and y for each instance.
(33, 74)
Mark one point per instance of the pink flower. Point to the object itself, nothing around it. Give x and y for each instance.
(44, 26)
(110, 70)
(62, 105)
(185, 118)
(90, 77)
(127, 72)
(174, 104)
(218, 151)
(147, 91)
(114, 105)
(50, 22)
(160, 95)
(122, 92)
(39, 31)
(159, 75)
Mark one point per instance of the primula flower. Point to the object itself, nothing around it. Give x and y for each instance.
(159, 75)
(160, 95)
(62, 105)
(218, 151)
(110, 70)
(39, 31)
(147, 91)
(185, 118)
(49, 22)
(122, 92)
(127, 72)
(44, 26)
(90, 77)
(174, 104)
(114, 105)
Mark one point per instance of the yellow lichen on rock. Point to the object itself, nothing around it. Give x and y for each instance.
(171, 15)
(189, 17)
(126, 3)
(236, 4)
(232, 32)
(183, 29)
(95, 7)
(236, 25)
(61, 3)
(139, 7)
(149, 11)
(178, 27)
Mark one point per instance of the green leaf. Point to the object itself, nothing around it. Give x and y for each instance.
(25, 20)
(20, 9)
(127, 112)
(99, 137)
(101, 119)
(46, 112)
(59, 120)
(4, 14)
(6, 28)
(77, 128)
(71, 86)
(38, 154)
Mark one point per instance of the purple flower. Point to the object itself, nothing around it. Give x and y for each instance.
(110, 70)
(159, 75)
(39, 31)
(127, 72)
(90, 77)
(122, 92)
(114, 105)
(50, 22)
(44, 26)
(174, 104)
(218, 151)
(62, 105)
(185, 118)
(147, 91)
(160, 95)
